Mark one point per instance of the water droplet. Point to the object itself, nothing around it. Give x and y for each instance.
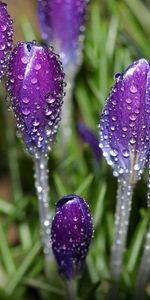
(24, 60)
(37, 67)
(34, 80)
(117, 77)
(128, 100)
(113, 153)
(133, 89)
(3, 28)
(36, 122)
(48, 112)
(136, 167)
(132, 141)
(20, 77)
(50, 99)
(26, 100)
(2, 47)
(133, 117)
(25, 111)
(126, 153)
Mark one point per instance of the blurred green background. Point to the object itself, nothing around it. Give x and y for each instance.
(117, 33)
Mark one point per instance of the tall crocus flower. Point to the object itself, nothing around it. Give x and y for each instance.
(125, 143)
(35, 85)
(144, 270)
(6, 34)
(62, 25)
(71, 235)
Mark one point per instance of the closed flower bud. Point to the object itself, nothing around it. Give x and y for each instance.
(123, 129)
(62, 25)
(71, 235)
(35, 84)
(6, 33)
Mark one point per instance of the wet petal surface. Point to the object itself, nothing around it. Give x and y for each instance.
(123, 133)
(71, 234)
(6, 35)
(35, 84)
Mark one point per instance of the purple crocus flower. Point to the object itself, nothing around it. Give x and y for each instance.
(62, 25)
(89, 137)
(35, 85)
(71, 235)
(123, 134)
(6, 33)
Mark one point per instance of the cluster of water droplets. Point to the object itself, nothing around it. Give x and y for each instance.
(42, 188)
(123, 135)
(37, 116)
(124, 198)
(71, 235)
(6, 34)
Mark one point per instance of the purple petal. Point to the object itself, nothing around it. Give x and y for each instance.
(71, 234)
(35, 85)
(89, 137)
(6, 34)
(123, 134)
(62, 25)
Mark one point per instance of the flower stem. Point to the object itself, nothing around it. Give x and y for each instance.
(65, 125)
(124, 197)
(41, 183)
(71, 289)
(144, 270)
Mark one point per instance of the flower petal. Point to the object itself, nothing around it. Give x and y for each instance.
(35, 84)
(62, 25)
(71, 234)
(123, 133)
(6, 34)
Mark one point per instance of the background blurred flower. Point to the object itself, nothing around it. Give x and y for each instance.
(71, 234)
(90, 138)
(62, 25)
(6, 35)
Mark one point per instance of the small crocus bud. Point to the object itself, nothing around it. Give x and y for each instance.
(89, 137)
(62, 25)
(71, 235)
(6, 34)
(123, 133)
(35, 84)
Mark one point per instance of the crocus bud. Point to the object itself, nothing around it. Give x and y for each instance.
(62, 25)
(71, 235)
(123, 133)
(35, 84)
(6, 33)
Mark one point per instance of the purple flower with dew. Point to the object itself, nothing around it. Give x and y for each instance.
(6, 35)
(124, 141)
(35, 84)
(62, 25)
(90, 138)
(123, 130)
(71, 235)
